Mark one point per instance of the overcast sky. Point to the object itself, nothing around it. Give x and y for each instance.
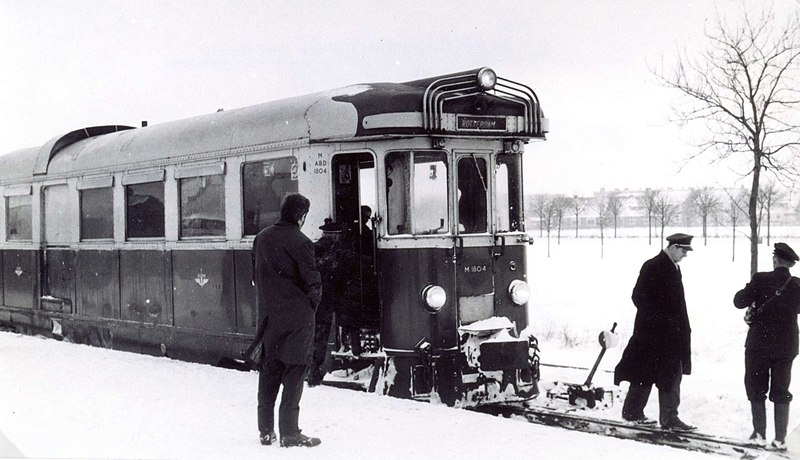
(65, 65)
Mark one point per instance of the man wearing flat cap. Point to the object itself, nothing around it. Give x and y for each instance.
(773, 299)
(659, 351)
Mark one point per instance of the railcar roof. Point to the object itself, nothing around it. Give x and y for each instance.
(271, 123)
(337, 115)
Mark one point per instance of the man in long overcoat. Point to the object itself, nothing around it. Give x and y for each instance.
(659, 351)
(772, 342)
(288, 291)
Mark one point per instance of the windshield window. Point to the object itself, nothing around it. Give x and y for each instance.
(416, 192)
(508, 178)
(472, 192)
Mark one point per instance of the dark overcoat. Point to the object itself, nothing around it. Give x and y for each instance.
(661, 338)
(774, 328)
(288, 290)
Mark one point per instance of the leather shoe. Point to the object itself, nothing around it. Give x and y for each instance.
(641, 420)
(678, 425)
(757, 439)
(299, 440)
(269, 438)
(778, 445)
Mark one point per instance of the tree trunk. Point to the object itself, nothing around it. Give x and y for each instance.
(752, 213)
(705, 232)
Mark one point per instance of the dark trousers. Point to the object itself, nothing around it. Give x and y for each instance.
(669, 398)
(763, 373)
(273, 374)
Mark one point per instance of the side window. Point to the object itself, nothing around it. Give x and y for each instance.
(264, 185)
(144, 205)
(58, 220)
(472, 193)
(202, 206)
(18, 218)
(508, 177)
(417, 192)
(398, 189)
(97, 213)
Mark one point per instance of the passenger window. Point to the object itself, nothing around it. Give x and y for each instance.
(145, 210)
(417, 202)
(97, 213)
(18, 218)
(264, 185)
(472, 193)
(58, 220)
(202, 206)
(508, 177)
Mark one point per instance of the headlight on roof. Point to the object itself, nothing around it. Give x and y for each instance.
(486, 79)
(434, 297)
(519, 291)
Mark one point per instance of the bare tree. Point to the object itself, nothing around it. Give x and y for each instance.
(560, 206)
(735, 210)
(549, 213)
(768, 196)
(705, 203)
(648, 202)
(577, 205)
(743, 88)
(601, 205)
(615, 204)
(664, 210)
(540, 204)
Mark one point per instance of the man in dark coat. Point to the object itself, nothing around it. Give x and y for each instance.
(659, 351)
(289, 290)
(771, 343)
(325, 250)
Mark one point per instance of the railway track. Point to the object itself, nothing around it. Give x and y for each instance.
(692, 441)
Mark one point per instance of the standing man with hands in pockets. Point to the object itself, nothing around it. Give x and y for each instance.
(288, 288)
(773, 302)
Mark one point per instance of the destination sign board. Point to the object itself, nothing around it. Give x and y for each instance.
(470, 123)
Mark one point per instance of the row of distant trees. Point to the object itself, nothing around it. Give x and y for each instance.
(661, 208)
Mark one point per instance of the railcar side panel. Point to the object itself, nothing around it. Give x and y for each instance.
(98, 283)
(2, 279)
(246, 311)
(21, 278)
(404, 273)
(58, 293)
(146, 285)
(203, 290)
(510, 266)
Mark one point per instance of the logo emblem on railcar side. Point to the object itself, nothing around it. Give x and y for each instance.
(18, 271)
(201, 279)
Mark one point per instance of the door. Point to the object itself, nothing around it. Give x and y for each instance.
(354, 198)
(474, 245)
(58, 270)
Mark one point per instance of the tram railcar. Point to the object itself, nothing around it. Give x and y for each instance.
(139, 239)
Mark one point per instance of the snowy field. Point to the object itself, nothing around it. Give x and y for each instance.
(60, 400)
(579, 294)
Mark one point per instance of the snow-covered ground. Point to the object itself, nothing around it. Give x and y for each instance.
(61, 400)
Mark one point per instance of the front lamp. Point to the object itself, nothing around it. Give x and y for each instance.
(519, 291)
(434, 298)
(486, 79)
